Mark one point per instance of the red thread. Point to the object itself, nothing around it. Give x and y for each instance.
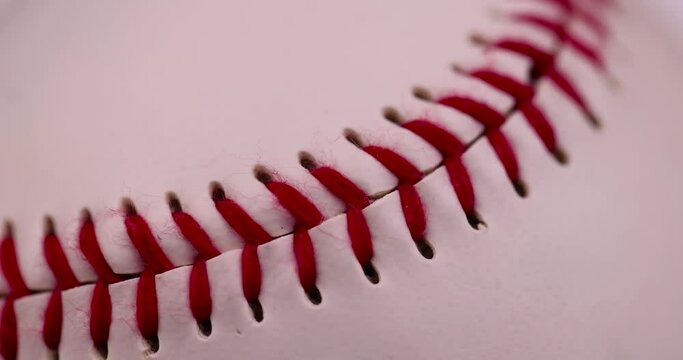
(251, 272)
(58, 263)
(406, 172)
(443, 141)
(243, 224)
(477, 110)
(341, 186)
(588, 18)
(194, 233)
(100, 314)
(505, 153)
(563, 82)
(10, 267)
(305, 258)
(299, 206)
(461, 183)
(413, 211)
(523, 95)
(359, 233)
(52, 324)
(8, 330)
(200, 292)
(558, 29)
(90, 248)
(146, 305)
(144, 241)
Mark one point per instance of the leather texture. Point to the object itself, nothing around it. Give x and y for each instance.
(126, 99)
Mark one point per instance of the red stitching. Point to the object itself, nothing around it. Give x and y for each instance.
(145, 243)
(200, 293)
(100, 316)
(300, 207)
(52, 324)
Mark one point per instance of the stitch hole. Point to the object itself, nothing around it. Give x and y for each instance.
(314, 295)
(102, 351)
(256, 309)
(262, 174)
(173, 202)
(205, 328)
(307, 161)
(521, 188)
(128, 207)
(216, 191)
(478, 39)
(392, 115)
(371, 272)
(425, 248)
(152, 344)
(561, 156)
(49, 225)
(422, 93)
(475, 221)
(7, 229)
(353, 137)
(458, 69)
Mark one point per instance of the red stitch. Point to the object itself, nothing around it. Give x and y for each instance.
(146, 306)
(544, 66)
(341, 186)
(505, 153)
(460, 180)
(194, 233)
(406, 172)
(413, 211)
(296, 204)
(589, 19)
(90, 248)
(558, 29)
(359, 233)
(305, 258)
(200, 292)
(58, 263)
(479, 111)
(523, 95)
(145, 242)
(52, 324)
(446, 143)
(251, 272)
(243, 224)
(10, 267)
(8, 330)
(100, 315)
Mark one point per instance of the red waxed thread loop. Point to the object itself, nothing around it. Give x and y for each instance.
(413, 211)
(100, 315)
(145, 242)
(406, 172)
(58, 263)
(251, 272)
(563, 82)
(540, 124)
(341, 186)
(519, 91)
(559, 30)
(305, 258)
(8, 330)
(541, 58)
(194, 233)
(359, 233)
(200, 292)
(146, 305)
(446, 143)
(299, 206)
(462, 184)
(10, 268)
(52, 324)
(505, 154)
(479, 111)
(90, 248)
(243, 224)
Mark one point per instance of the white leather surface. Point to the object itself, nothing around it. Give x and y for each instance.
(129, 99)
